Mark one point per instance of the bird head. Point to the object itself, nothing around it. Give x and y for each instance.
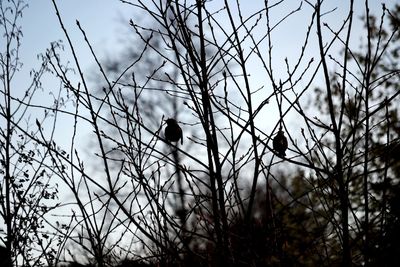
(170, 121)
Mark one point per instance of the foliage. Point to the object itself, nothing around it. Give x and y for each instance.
(27, 194)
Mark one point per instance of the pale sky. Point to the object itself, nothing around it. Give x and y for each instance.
(103, 22)
(100, 19)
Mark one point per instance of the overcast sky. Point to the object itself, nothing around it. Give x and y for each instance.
(103, 22)
(100, 18)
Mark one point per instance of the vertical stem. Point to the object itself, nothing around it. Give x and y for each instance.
(8, 217)
(242, 63)
(385, 173)
(367, 75)
(365, 179)
(338, 172)
(212, 142)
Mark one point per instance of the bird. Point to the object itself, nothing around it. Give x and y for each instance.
(173, 132)
(280, 143)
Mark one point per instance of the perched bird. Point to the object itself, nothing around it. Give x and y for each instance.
(280, 143)
(173, 132)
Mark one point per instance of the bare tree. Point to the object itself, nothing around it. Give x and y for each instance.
(206, 67)
(27, 194)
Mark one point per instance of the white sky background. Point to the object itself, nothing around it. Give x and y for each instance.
(102, 20)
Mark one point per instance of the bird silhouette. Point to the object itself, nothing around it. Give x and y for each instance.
(173, 132)
(280, 143)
